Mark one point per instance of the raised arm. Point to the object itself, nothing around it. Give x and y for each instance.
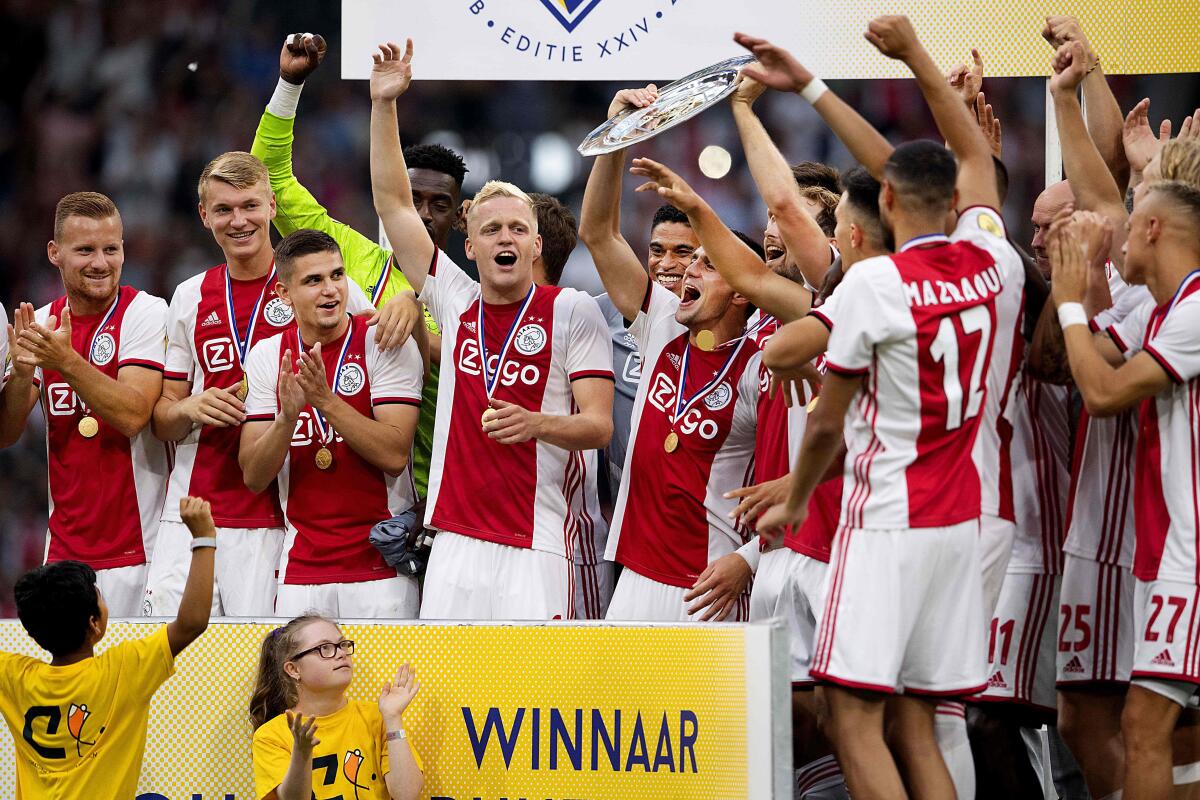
(1104, 119)
(779, 69)
(1091, 182)
(738, 264)
(622, 272)
(894, 37)
(806, 243)
(412, 247)
(195, 605)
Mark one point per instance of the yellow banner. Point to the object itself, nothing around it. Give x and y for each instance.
(549, 711)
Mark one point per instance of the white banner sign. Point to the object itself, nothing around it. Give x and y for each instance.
(642, 40)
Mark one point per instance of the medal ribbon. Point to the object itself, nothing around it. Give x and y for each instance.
(682, 407)
(243, 344)
(326, 430)
(921, 241)
(489, 377)
(104, 321)
(382, 283)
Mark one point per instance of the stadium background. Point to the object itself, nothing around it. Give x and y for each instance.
(99, 95)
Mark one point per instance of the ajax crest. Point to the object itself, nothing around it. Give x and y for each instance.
(103, 349)
(530, 339)
(351, 379)
(719, 397)
(277, 312)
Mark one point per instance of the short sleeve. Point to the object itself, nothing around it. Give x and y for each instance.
(179, 364)
(397, 375)
(1124, 303)
(145, 663)
(589, 348)
(144, 333)
(660, 304)
(852, 343)
(827, 312)
(1173, 346)
(272, 754)
(262, 375)
(984, 228)
(746, 411)
(1129, 333)
(447, 290)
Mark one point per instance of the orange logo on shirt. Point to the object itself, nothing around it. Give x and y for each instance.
(77, 717)
(350, 768)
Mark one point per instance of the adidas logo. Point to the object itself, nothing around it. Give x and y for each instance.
(1074, 666)
(469, 326)
(212, 319)
(997, 681)
(674, 359)
(1163, 659)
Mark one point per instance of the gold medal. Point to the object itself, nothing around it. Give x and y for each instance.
(243, 388)
(706, 340)
(324, 458)
(813, 404)
(88, 427)
(487, 414)
(671, 443)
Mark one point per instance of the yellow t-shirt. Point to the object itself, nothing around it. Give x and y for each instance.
(350, 760)
(80, 730)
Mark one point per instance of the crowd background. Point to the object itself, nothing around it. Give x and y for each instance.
(132, 98)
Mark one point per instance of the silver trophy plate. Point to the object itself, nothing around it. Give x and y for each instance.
(677, 102)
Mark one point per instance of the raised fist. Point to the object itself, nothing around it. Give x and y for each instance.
(301, 54)
(893, 36)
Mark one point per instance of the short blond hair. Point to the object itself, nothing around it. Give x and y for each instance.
(1180, 161)
(239, 169)
(91, 205)
(493, 189)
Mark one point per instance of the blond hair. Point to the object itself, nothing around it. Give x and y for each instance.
(1180, 161)
(236, 168)
(92, 205)
(493, 189)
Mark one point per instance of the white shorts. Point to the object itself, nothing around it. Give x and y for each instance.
(247, 561)
(641, 599)
(1021, 639)
(791, 586)
(390, 598)
(593, 589)
(122, 589)
(1095, 623)
(996, 537)
(469, 578)
(1166, 631)
(903, 612)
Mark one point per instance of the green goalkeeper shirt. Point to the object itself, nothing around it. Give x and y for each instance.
(367, 264)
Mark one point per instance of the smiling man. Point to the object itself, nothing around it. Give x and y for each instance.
(94, 357)
(527, 387)
(333, 415)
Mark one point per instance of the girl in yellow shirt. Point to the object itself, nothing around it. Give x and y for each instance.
(310, 740)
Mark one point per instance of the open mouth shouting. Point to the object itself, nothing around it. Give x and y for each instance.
(505, 258)
(690, 295)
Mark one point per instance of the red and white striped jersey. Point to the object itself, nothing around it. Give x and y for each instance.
(1167, 488)
(203, 344)
(921, 335)
(1041, 463)
(533, 494)
(329, 512)
(1100, 522)
(106, 491)
(672, 519)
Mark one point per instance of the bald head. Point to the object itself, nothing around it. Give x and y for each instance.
(1051, 201)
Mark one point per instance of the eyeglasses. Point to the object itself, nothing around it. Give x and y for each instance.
(327, 649)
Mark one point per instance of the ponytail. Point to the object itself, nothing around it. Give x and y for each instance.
(275, 691)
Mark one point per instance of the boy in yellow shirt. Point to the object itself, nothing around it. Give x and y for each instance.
(79, 722)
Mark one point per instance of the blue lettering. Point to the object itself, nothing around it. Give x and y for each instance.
(604, 51)
(523, 40)
(558, 732)
(687, 741)
(612, 746)
(662, 753)
(620, 40)
(576, 53)
(536, 736)
(507, 741)
(506, 37)
(637, 747)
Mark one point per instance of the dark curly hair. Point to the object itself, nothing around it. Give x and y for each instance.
(56, 602)
(438, 158)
